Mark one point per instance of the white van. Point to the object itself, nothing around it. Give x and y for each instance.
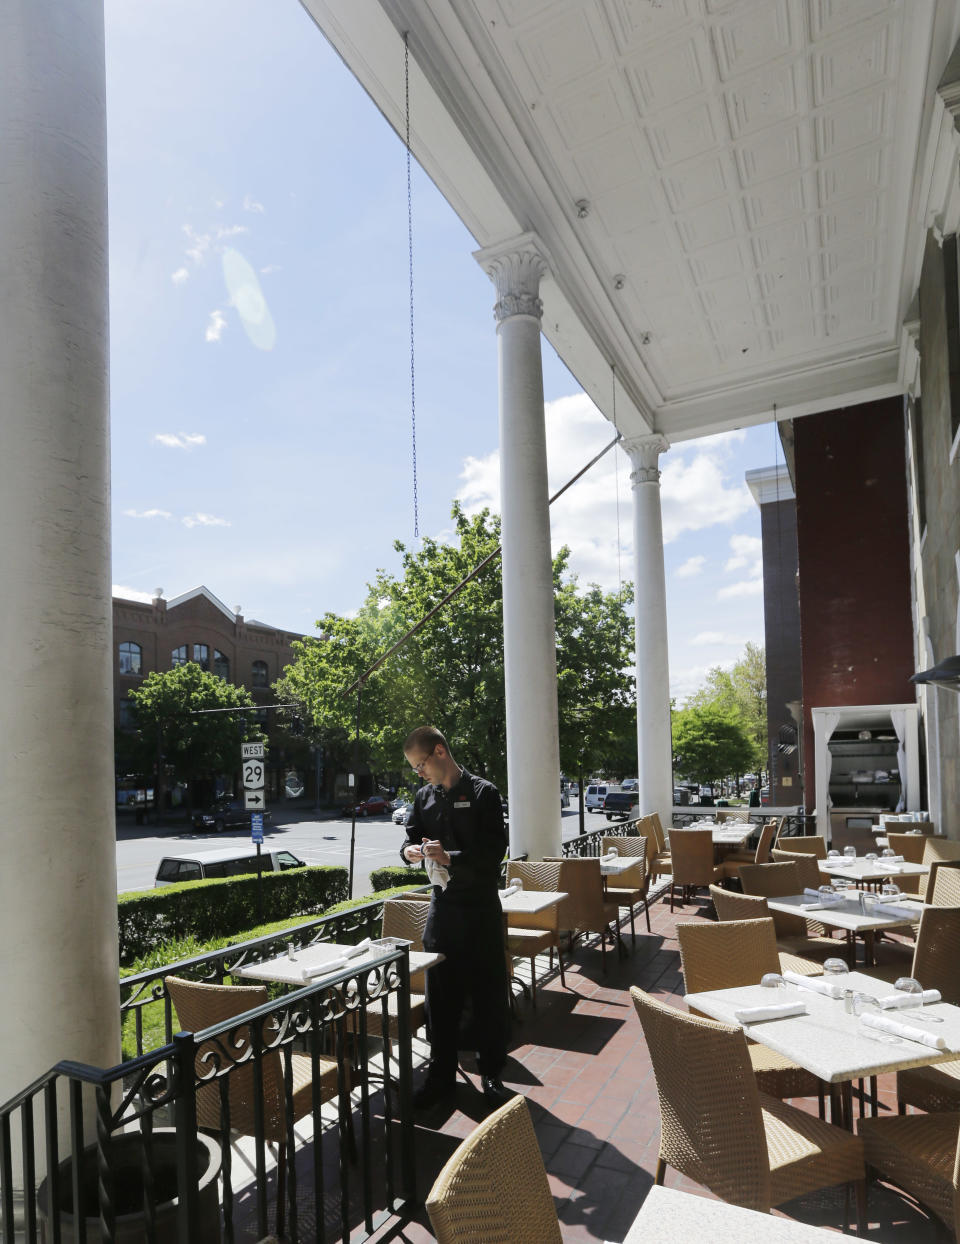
(224, 862)
(595, 795)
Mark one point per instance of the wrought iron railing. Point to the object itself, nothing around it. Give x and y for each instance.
(171, 1185)
(590, 843)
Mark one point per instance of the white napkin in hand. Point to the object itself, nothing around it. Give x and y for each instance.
(436, 873)
(753, 1014)
(899, 1029)
(816, 983)
(895, 1000)
(323, 969)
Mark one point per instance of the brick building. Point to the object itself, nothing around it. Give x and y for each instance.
(196, 626)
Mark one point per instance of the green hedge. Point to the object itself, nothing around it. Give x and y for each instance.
(223, 907)
(394, 875)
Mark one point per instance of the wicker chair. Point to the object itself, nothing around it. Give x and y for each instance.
(586, 910)
(529, 935)
(494, 1186)
(795, 934)
(911, 848)
(810, 844)
(732, 906)
(920, 1153)
(731, 860)
(809, 871)
(693, 866)
(201, 1006)
(631, 886)
(404, 918)
(936, 850)
(719, 1130)
(734, 953)
(649, 826)
(925, 829)
(943, 884)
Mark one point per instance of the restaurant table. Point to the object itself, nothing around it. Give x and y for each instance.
(861, 869)
(614, 865)
(669, 1214)
(529, 902)
(728, 834)
(848, 917)
(286, 971)
(828, 1041)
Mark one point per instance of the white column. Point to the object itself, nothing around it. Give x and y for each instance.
(529, 634)
(654, 743)
(58, 914)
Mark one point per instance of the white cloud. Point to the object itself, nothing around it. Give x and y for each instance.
(710, 638)
(701, 487)
(204, 520)
(747, 551)
(250, 204)
(746, 587)
(685, 681)
(215, 326)
(268, 268)
(199, 244)
(131, 593)
(180, 440)
(148, 514)
(691, 567)
(181, 275)
(229, 231)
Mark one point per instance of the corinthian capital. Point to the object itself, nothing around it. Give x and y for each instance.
(516, 268)
(644, 453)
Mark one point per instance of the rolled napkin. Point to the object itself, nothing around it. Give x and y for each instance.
(511, 889)
(894, 909)
(822, 903)
(894, 1000)
(898, 1029)
(358, 949)
(892, 859)
(436, 873)
(611, 854)
(817, 983)
(754, 1014)
(323, 969)
(816, 894)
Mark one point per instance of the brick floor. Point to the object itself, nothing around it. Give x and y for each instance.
(581, 1062)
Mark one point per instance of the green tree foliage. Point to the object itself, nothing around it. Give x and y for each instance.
(165, 711)
(709, 743)
(740, 692)
(451, 673)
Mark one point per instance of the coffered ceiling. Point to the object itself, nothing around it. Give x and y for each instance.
(727, 189)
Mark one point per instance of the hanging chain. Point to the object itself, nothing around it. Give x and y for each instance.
(616, 476)
(413, 370)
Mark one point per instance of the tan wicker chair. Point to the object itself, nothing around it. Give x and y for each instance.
(406, 918)
(586, 910)
(494, 1185)
(810, 844)
(529, 935)
(732, 906)
(631, 886)
(936, 850)
(762, 853)
(776, 881)
(649, 826)
(719, 1130)
(201, 1006)
(691, 851)
(911, 848)
(734, 953)
(923, 829)
(920, 1153)
(943, 884)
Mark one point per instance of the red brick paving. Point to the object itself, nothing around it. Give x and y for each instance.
(581, 1062)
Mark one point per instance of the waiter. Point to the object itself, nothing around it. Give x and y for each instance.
(456, 830)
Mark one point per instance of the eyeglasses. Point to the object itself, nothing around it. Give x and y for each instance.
(418, 767)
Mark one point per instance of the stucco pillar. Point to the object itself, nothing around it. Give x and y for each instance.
(529, 634)
(58, 889)
(654, 744)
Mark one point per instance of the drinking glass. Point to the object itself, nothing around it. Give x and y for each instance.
(887, 852)
(833, 855)
(912, 987)
(865, 1004)
(835, 967)
(773, 980)
(517, 882)
(889, 892)
(827, 894)
(868, 903)
(850, 853)
(842, 885)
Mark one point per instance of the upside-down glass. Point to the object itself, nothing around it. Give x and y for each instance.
(911, 986)
(866, 1004)
(850, 853)
(835, 967)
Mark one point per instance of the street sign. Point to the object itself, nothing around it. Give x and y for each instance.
(253, 775)
(256, 827)
(251, 751)
(253, 799)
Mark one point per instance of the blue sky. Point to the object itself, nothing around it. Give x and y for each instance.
(259, 349)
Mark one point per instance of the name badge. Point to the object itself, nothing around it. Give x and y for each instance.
(462, 803)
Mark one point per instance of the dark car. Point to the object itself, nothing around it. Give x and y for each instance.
(620, 805)
(374, 806)
(226, 813)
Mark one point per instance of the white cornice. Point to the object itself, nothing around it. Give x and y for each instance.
(770, 485)
(205, 592)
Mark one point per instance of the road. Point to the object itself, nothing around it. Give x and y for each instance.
(315, 840)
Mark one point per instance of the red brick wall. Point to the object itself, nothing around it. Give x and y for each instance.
(853, 551)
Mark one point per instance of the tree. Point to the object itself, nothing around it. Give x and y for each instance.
(451, 673)
(709, 743)
(741, 690)
(194, 746)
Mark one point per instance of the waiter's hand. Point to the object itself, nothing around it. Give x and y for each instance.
(432, 850)
(412, 853)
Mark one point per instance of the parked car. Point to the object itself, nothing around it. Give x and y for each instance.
(620, 805)
(400, 813)
(224, 862)
(376, 805)
(224, 813)
(630, 784)
(596, 793)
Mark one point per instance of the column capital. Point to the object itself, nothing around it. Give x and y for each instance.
(516, 268)
(644, 453)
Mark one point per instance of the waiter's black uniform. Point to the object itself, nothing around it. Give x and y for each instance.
(465, 922)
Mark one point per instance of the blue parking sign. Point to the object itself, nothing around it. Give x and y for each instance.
(256, 827)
